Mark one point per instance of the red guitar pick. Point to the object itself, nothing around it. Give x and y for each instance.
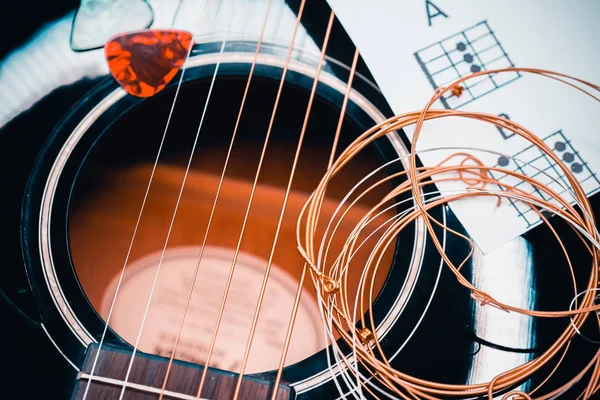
(145, 62)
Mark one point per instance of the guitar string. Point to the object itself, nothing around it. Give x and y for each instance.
(356, 301)
(216, 199)
(283, 208)
(156, 390)
(139, 217)
(146, 311)
(399, 216)
(336, 261)
(491, 385)
(343, 372)
(341, 357)
(179, 197)
(161, 259)
(354, 342)
(288, 335)
(583, 224)
(354, 236)
(253, 190)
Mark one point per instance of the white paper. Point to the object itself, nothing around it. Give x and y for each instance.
(409, 52)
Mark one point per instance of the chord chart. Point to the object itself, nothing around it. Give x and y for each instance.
(472, 50)
(534, 163)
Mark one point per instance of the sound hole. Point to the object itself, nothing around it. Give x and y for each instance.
(110, 189)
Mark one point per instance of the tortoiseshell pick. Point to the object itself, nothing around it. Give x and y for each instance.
(143, 63)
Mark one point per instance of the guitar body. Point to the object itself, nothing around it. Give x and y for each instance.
(76, 166)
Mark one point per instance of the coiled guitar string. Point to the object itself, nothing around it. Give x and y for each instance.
(354, 324)
(431, 296)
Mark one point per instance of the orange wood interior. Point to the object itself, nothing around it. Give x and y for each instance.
(101, 227)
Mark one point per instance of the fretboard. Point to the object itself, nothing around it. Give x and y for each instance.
(147, 374)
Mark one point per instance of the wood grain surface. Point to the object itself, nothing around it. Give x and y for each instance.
(150, 371)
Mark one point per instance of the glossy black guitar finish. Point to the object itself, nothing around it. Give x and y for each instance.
(128, 130)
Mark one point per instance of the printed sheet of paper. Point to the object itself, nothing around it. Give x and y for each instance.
(413, 47)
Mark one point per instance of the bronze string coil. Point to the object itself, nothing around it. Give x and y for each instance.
(331, 281)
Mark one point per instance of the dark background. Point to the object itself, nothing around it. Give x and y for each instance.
(25, 374)
(21, 19)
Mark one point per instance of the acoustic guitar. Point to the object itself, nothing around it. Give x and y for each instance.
(149, 243)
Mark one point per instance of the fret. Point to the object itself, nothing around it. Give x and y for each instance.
(137, 387)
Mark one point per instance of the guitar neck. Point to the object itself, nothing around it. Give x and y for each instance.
(148, 372)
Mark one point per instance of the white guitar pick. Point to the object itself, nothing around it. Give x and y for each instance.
(97, 21)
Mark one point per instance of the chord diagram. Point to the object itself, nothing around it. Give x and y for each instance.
(532, 162)
(472, 50)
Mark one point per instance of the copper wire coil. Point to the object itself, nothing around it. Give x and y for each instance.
(331, 284)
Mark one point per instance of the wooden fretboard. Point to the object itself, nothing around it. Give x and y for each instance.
(147, 375)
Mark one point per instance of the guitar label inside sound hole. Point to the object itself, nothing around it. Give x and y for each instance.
(172, 287)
